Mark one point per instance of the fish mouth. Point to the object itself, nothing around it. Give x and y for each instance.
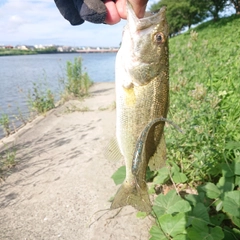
(149, 19)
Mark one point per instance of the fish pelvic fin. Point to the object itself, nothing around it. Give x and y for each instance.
(134, 195)
(158, 160)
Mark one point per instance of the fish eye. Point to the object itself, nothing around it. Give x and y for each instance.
(159, 38)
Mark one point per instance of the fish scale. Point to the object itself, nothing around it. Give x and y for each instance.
(142, 94)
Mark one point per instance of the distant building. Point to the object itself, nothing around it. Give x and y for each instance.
(40, 46)
(8, 47)
(21, 47)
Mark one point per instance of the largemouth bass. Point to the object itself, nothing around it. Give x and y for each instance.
(142, 89)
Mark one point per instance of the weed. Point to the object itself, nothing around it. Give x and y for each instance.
(78, 82)
(7, 161)
(110, 107)
(20, 117)
(74, 108)
(41, 100)
(213, 212)
(5, 123)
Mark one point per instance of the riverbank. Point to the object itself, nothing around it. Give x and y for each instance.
(62, 179)
(17, 52)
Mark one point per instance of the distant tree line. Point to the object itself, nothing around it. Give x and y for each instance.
(185, 13)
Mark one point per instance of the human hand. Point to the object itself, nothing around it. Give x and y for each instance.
(116, 10)
(98, 11)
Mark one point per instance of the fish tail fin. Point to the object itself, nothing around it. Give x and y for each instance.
(134, 195)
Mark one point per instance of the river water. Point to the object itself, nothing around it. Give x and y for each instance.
(19, 73)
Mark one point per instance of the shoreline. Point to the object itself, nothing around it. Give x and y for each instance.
(27, 52)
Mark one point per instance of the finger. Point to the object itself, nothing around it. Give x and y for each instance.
(139, 7)
(112, 13)
(121, 8)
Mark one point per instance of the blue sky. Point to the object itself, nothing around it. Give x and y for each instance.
(39, 22)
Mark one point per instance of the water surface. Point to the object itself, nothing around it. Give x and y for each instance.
(18, 73)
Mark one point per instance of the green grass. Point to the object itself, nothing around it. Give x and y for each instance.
(7, 161)
(11, 52)
(204, 97)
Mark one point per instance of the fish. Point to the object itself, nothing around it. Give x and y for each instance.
(142, 95)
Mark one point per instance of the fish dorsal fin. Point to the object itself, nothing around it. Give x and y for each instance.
(159, 158)
(112, 151)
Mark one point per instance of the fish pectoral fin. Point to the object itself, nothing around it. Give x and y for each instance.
(112, 151)
(158, 160)
(132, 194)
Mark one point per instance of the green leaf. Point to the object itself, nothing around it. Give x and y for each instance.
(199, 215)
(157, 234)
(231, 234)
(236, 232)
(159, 211)
(196, 233)
(231, 203)
(119, 176)
(170, 203)
(151, 189)
(180, 237)
(218, 205)
(192, 199)
(162, 177)
(199, 224)
(150, 174)
(141, 214)
(180, 206)
(217, 233)
(211, 190)
(217, 219)
(225, 184)
(237, 181)
(228, 169)
(175, 167)
(237, 168)
(236, 220)
(173, 225)
(179, 177)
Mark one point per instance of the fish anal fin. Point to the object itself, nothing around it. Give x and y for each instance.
(112, 151)
(158, 160)
(132, 194)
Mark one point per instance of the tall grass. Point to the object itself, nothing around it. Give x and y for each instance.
(78, 81)
(205, 92)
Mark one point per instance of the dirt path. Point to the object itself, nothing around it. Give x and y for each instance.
(63, 179)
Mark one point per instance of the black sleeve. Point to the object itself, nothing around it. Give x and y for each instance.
(76, 11)
(68, 10)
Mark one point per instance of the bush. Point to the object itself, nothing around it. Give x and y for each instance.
(41, 100)
(78, 82)
(5, 123)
